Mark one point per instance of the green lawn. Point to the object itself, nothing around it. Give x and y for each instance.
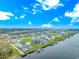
(26, 39)
(15, 52)
(53, 34)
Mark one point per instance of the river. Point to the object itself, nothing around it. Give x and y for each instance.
(67, 49)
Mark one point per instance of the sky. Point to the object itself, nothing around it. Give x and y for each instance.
(39, 13)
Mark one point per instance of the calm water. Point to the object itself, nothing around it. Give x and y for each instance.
(68, 49)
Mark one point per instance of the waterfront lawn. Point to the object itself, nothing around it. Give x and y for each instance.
(53, 34)
(34, 48)
(26, 39)
(15, 52)
(59, 38)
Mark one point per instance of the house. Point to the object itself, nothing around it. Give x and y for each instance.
(36, 41)
(22, 46)
(13, 40)
(52, 37)
(28, 44)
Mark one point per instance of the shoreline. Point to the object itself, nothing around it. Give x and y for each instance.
(38, 50)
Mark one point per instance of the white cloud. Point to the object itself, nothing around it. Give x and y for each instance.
(44, 5)
(75, 20)
(25, 8)
(36, 5)
(5, 15)
(56, 20)
(16, 17)
(74, 14)
(23, 16)
(46, 26)
(34, 11)
(29, 22)
(70, 24)
(76, 7)
(49, 4)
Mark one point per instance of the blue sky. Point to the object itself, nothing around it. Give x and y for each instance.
(39, 13)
